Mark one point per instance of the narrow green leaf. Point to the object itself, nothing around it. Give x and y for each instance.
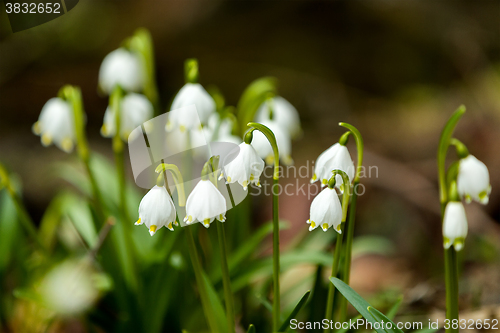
(380, 317)
(294, 312)
(344, 330)
(394, 309)
(357, 301)
(216, 305)
(251, 329)
(427, 330)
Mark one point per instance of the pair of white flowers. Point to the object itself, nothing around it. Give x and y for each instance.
(326, 210)
(122, 68)
(473, 183)
(205, 203)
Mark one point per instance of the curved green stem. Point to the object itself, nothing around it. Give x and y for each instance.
(451, 264)
(179, 182)
(444, 143)
(352, 212)
(276, 232)
(338, 245)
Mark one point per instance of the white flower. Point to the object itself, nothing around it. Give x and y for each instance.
(135, 109)
(191, 93)
(454, 225)
(124, 68)
(282, 112)
(69, 287)
(204, 204)
(156, 210)
(264, 149)
(326, 211)
(473, 181)
(56, 124)
(245, 168)
(336, 157)
(221, 128)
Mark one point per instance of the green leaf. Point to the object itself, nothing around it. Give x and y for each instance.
(253, 96)
(294, 312)
(80, 215)
(394, 310)
(215, 303)
(10, 234)
(380, 317)
(362, 306)
(251, 329)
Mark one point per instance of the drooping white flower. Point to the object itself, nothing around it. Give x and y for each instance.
(473, 180)
(326, 211)
(69, 287)
(204, 204)
(135, 109)
(124, 68)
(191, 93)
(264, 149)
(336, 157)
(245, 168)
(156, 210)
(282, 112)
(218, 130)
(56, 124)
(454, 225)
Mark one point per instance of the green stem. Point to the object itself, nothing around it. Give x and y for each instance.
(338, 245)
(451, 276)
(348, 249)
(276, 232)
(352, 213)
(74, 96)
(226, 280)
(451, 263)
(444, 143)
(331, 287)
(198, 272)
(142, 43)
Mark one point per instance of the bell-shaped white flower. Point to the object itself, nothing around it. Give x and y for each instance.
(282, 112)
(264, 149)
(326, 211)
(473, 180)
(245, 168)
(191, 93)
(124, 68)
(135, 109)
(204, 204)
(454, 225)
(218, 130)
(336, 157)
(156, 210)
(56, 124)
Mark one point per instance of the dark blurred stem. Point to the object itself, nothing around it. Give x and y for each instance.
(451, 275)
(110, 222)
(226, 279)
(24, 217)
(198, 272)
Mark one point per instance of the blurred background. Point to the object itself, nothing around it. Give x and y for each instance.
(394, 69)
